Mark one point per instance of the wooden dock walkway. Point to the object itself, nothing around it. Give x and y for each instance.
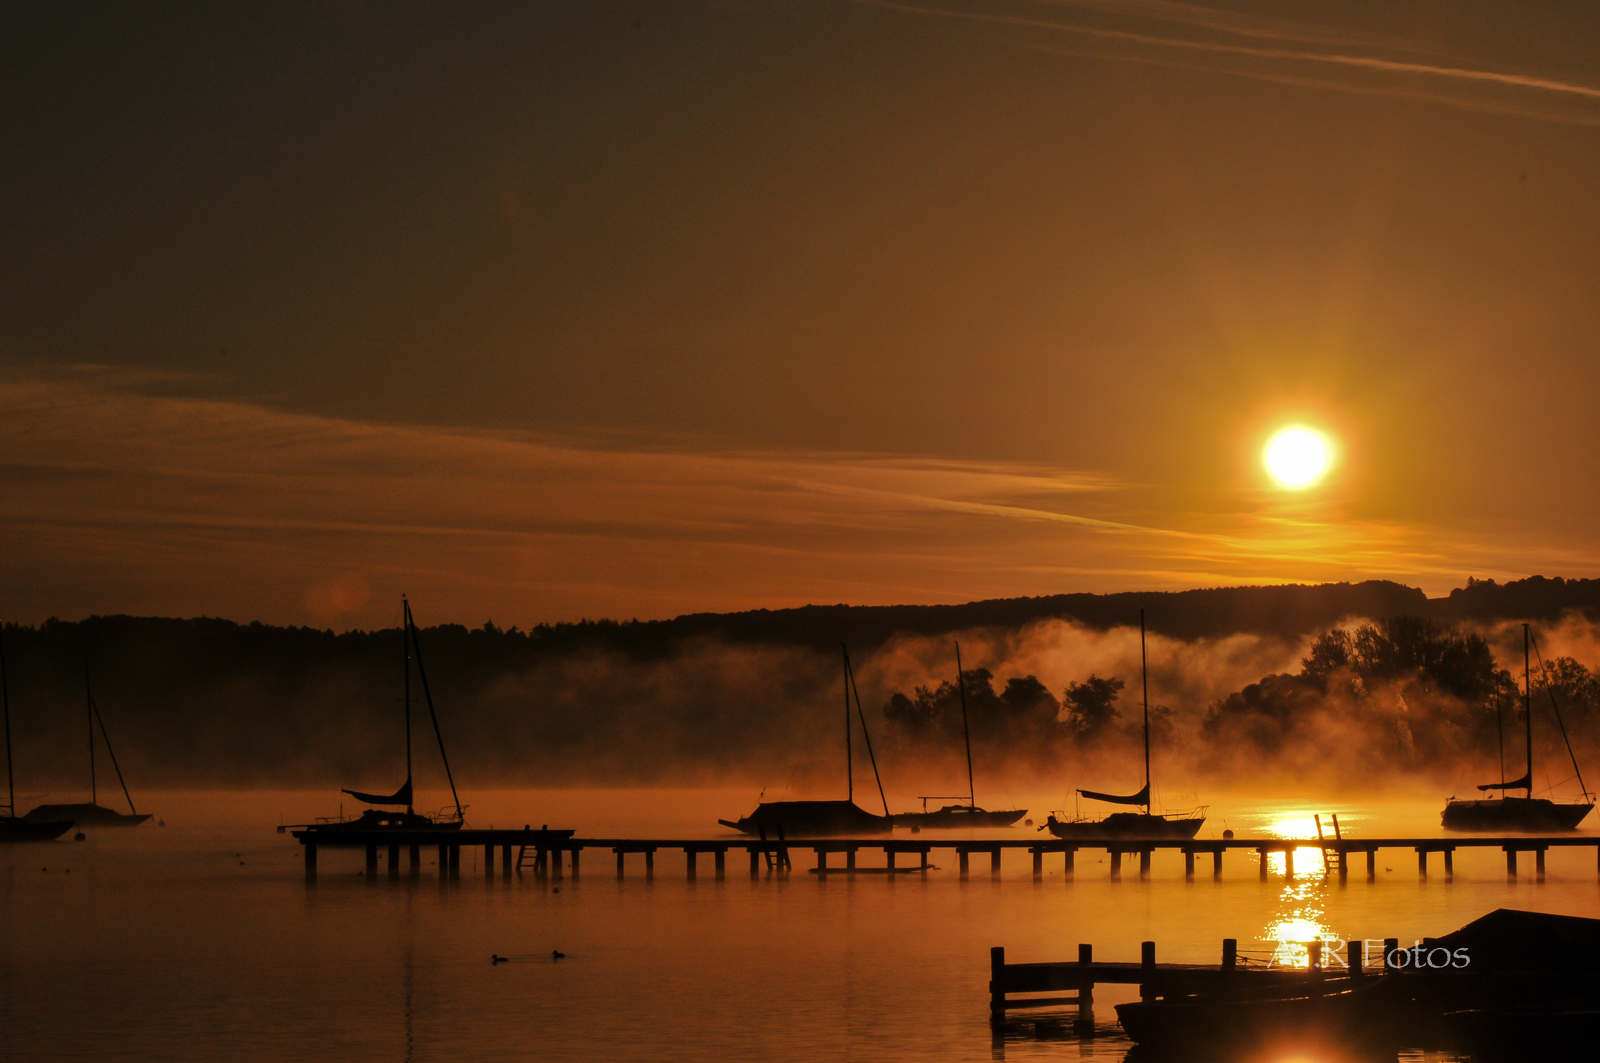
(546, 852)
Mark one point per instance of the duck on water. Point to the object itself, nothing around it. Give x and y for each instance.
(1133, 826)
(797, 819)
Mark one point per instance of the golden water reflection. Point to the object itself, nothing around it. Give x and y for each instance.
(1300, 920)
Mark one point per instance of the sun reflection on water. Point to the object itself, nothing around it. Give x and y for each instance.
(1302, 920)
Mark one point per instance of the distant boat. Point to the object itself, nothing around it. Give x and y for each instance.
(1529, 813)
(410, 819)
(13, 829)
(799, 819)
(92, 813)
(957, 817)
(1129, 826)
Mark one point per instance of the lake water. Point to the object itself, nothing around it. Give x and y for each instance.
(201, 939)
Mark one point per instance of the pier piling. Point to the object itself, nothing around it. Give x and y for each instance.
(1216, 863)
(394, 861)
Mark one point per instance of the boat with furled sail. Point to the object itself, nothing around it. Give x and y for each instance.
(956, 817)
(391, 818)
(92, 813)
(798, 819)
(1528, 813)
(12, 827)
(1132, 826)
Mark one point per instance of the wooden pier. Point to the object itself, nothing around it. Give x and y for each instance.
(1024, 985)
(549, 853)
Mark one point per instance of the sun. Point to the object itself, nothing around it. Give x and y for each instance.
(1297, 457)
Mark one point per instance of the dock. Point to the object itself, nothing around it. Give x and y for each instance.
(557, 853)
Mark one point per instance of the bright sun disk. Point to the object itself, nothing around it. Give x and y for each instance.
(1297, 457)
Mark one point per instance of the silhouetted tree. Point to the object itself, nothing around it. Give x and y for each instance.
(1092, 707)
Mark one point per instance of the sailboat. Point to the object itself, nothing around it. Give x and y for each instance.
(1140, 826)
(410, 819)
(1527, 813)
(799, 819)
(93, 814)
(12, 828)
(955, 817)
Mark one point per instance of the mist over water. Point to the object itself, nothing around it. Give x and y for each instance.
(200, 940)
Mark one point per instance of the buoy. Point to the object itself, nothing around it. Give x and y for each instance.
(80, 837)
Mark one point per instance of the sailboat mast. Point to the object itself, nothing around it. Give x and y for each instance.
(1527, 705)
(405, 652)
(88, 709)
(5, 697)
(849, 755)
(1144, 673)
(850, 679)
(966, 732)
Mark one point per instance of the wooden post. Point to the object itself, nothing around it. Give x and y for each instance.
(822, 860)
(888, 856)
(1390, 947)
(755, 863)
(850, 859)
(689, 859)
(1216, 864)
(1071, 859)
(721, 863)
(649, 864)
(997, 984)
(1344, 865)
(1538, 862)
(394, 861)
(1085, 1021)
(1353, 958)
(618, 851)
(1511, 862)
(416, 858)
(1038, 862)
(311, 859)
(1263, 854)
(1144, 863)
(962, 858)
(994, 859)
(1188, 865)
(575, 851)
(1449, 863)
(372, 860)
(1086, 954)
(1422, 862)
(1372, 864)
(1314, 953)
(1230, 954)
(1116, 863)
(1147, 960)
(1288, 863)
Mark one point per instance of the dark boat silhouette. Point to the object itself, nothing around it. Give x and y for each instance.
(12, 828)
(409, 819)
(957, 817)
(92, 813)
(1517, 986)
(800, 819)
(1129, 826)
(1528, 813)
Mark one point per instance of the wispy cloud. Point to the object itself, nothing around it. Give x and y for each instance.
(1297, 45)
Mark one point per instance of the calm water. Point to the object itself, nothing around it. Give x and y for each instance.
(200, 940)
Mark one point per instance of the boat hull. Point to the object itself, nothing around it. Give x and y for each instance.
(1511, 1036)
(379, 820)
(955, 817)
(85, 815)
(1127, 826)
(810, 819)
(1513, 814)
(15, 829)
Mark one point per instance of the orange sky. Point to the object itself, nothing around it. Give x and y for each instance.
(540, 312)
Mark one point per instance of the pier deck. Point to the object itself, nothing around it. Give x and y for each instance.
(547, 849)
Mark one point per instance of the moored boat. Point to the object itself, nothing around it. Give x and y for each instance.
(91, 813)
(12, 827)
(1528, 814)
(1148, 825)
